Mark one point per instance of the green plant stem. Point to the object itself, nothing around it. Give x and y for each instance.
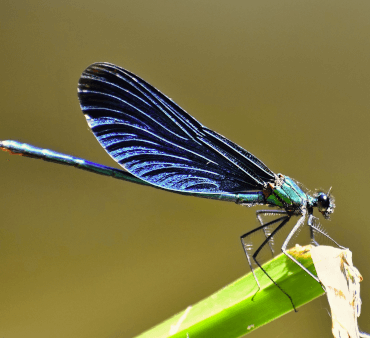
(239, 309)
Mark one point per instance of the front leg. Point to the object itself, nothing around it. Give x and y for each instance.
(313, 228)
(300, 222)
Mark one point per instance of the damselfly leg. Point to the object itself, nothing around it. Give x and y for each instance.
(268, 233)
(247, 243)
(266, 229)
(314, 228)
(296, 228)
(248, 248)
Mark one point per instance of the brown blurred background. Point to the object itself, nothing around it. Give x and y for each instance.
(88, 256)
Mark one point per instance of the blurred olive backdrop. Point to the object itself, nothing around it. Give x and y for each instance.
(89, 256)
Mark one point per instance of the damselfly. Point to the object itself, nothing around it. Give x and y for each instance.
(160, 145)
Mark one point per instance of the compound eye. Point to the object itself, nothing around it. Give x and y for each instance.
(323, 202)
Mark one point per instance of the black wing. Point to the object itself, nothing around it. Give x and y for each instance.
(154, 139)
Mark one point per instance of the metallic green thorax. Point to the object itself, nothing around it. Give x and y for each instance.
(287, 194)
(283, 193)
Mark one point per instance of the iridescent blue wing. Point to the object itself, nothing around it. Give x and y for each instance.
(154, 139)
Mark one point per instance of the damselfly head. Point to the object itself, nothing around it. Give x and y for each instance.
(325, 203)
